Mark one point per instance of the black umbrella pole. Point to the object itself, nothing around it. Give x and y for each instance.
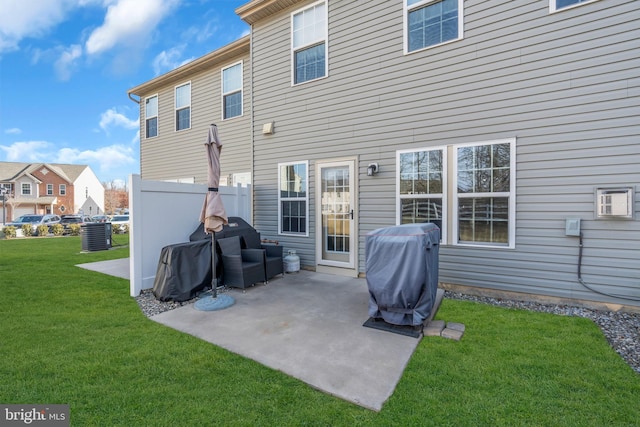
(214, 279)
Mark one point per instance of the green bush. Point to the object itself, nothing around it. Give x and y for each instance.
(57, 229)
(42, 230)
(27, 230)
(9, 231)
(125, 228)
(74, 229)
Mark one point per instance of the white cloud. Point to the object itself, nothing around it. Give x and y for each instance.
(67, 61)
(13, 131)
(107, 159)
(112, 117)
(168, 60)
(204, 32)
(19, 20)
(127, 22)
(26, 151)
(136, 138)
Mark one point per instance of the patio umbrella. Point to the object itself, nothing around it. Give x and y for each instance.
(214, 217)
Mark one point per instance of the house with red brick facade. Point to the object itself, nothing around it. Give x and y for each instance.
(43, 188)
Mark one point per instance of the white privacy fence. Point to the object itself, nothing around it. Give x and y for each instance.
(164, 213)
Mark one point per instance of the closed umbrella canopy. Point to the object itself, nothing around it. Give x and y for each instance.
(213, 214)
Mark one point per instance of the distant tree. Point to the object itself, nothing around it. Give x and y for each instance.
(116, 197)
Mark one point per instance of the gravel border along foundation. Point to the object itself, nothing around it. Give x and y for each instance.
(621, 329)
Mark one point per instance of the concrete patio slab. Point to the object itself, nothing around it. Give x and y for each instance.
(307, 325)
(114, 267)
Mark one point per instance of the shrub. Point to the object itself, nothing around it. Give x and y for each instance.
(125, 228)
(27, 230)
(57, 229)
(9, 231)
(74, 229)
(42, 230)
(116, 229)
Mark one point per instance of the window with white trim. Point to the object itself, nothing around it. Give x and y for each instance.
(293, 198)
(430, 23)
(484, 194)
(183, 106)
(62, 190)
(49, 189)
(555, 5)
(232, 91)
(422, 185)
(481, 191)
(151, 116)
(309, 43)
(26, 189)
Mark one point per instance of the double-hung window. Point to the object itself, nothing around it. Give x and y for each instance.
(422, 185)
(151, 116)
(62, 190)
(472, 201)
(293, 198)
(232, 91)
(26, 189)
(309, 43)
(183, 106)
(49, 189)
(430, 23)
(555, 5)
(485, 193)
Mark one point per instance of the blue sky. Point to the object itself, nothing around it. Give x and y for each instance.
(66, 66)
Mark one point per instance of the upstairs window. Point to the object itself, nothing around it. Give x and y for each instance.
(232, 91)
(26, 189)
(151, 116)
(430, 23)
(62, 189)
(183, 106)
(309, 43)
(49, 189)
(555, 5)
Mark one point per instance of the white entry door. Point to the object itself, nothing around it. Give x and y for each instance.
(336, 227)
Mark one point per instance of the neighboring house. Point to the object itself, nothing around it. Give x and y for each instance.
(515, 126)
(42, 188)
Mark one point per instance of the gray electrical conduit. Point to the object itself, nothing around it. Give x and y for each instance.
(590, 288)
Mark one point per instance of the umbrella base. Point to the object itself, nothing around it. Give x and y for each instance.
(210, 303)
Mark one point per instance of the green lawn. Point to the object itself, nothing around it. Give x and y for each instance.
(76, 337)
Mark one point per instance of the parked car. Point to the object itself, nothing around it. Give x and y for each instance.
(120, 220)
(35, 220)
(100, 218)
(67, 220)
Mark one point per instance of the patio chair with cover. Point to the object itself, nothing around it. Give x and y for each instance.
(272, 254)
(241, 267)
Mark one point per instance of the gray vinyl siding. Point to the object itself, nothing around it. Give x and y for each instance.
(177, 155)
(565, 85)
